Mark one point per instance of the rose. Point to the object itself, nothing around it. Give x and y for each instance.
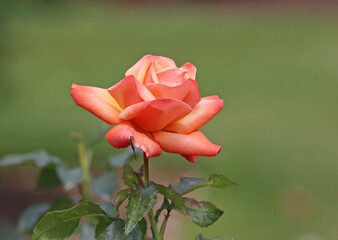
(155, 69)
(157, 105)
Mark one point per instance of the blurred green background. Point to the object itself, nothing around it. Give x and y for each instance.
(275, 68)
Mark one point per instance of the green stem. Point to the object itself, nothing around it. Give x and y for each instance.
(196, 187)
(85, 161)
(164, 224)
(153, 223)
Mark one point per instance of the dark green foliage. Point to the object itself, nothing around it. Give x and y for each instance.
(140, 201)
(61, 224)
(202, 213)
(105, 185)
(174, 197)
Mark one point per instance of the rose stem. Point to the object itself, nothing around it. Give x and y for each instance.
(153, 224)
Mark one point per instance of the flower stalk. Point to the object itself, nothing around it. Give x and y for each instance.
(85, 158)
(152, 220)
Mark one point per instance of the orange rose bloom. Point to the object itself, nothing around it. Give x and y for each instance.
(158, 105)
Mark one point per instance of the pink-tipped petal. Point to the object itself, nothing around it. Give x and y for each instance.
(160, 112)
(119, 137)
(190, 158)
(98, 101)
(194, 143)
(187, 91)
(130, 91)
(190, 70)
(202, 113)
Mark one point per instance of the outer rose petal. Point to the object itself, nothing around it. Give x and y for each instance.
(97, 101)
(130, 91)
(187, 91)
(190, 158)
(119, 137)
(202, 113)
(159, 113)
(194, 143)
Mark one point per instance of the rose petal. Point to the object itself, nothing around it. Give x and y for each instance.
(190, 158)
(119, 137)
(151, 76)
(190, 70)
(133, 110)
(202, 113)
(130, 91)
(194, 143)
(141, 68)
(160, 112)
(98, 101)
(187, 91)
(172, 76)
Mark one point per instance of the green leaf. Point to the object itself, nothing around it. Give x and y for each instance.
(102, 225)
(61, 203)
(141, 200)
(202, 213)
(70, 177)
(61, 224)
(165, 205)
(105, 185)
(174, 197)
(119, 160)
(143, 226)
(129, 177)
(48, 177)
(121, 196)
(87, 231)
(31, 216)
(109, 210)
(200, 237)
(221, 181)
(115, 231)
(41, 158)
(186, 184)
